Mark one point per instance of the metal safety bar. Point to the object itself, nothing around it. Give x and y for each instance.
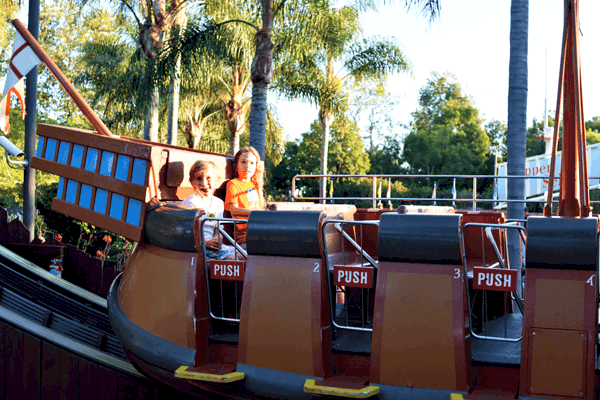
(374, 198)
(504, 264)
(235, 312)
(364, 304)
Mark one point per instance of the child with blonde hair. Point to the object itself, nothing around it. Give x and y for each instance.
(245, 190)
(204, 178)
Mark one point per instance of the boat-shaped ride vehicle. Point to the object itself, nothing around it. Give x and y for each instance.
(331, 300)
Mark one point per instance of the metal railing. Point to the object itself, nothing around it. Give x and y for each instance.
(501, 262)
(356, 309)
(374, 198)
(229, 305)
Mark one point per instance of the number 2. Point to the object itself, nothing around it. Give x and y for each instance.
(316, 267)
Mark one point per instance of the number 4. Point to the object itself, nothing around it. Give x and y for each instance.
(591, 280)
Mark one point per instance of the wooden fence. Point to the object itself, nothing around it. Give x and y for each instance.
(80, 268)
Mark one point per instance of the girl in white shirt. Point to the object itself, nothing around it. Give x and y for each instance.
(204, 179)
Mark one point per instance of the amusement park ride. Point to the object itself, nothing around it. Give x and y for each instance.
(334, 301)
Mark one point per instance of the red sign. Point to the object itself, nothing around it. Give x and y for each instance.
(504, 280)
(361, 277)
(227, 270)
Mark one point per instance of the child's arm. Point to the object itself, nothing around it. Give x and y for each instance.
(213, 243)
(239, 212)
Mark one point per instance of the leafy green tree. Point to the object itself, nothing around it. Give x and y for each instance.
(592, 130)
(8, 9)
(496, 131)
(371, 106)
(386, 159)
(63, 34)
(313, 78)
(447, 136)
(346, 155)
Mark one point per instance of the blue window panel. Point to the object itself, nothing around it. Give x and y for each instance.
(63, 152)
(85, 196)
(50, 149)
(71, 191)
(77, 156)
(122, 167)
(139, 172)
(133, 212)
(116, 206)
(106, 163)
(101, 200)
(40, 147)
(59, 192)
(91, 160)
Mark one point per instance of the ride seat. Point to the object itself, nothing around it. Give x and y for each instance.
(420, 307)
(561, 308)
(285, 318)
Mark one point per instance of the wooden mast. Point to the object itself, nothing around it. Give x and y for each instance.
(87, 111)
(574, 197)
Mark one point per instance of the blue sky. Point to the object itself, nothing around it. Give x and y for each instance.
(471, 40)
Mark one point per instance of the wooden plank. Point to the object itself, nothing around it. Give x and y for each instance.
(102, 221)
(94, 275)
(50, 372)
(14, 363)
(88, 380)
(17, 232)
(3, 225)
(112, 185)
(107, 384)
(128, 387)
(31, 367)
(85, 137)
(3, 329)
(69, 375)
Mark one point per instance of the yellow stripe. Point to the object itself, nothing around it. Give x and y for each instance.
(310, 387)
(183, 373)
(455, 396)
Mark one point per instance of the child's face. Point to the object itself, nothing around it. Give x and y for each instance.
(246, 166)
(205, 183)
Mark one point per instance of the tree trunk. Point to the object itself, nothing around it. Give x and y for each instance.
(173, 119)
(517, 121)
(261, 74)
(325, 120)
(258, 118)
(151, 119)
(234, 143)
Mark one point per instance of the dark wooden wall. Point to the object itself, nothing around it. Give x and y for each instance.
(32, 369)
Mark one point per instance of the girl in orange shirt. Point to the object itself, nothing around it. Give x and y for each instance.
(245, 191)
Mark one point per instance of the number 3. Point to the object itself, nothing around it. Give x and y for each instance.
(457, 272)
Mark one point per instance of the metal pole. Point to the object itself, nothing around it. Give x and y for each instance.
(495, 188)
(30, 126)
(374, 191)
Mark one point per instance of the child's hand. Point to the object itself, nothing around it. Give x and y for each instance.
(214, 243)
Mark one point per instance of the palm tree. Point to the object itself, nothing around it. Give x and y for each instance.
(156, 20)
(314, 79)
(517, 118)
(234, 30)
